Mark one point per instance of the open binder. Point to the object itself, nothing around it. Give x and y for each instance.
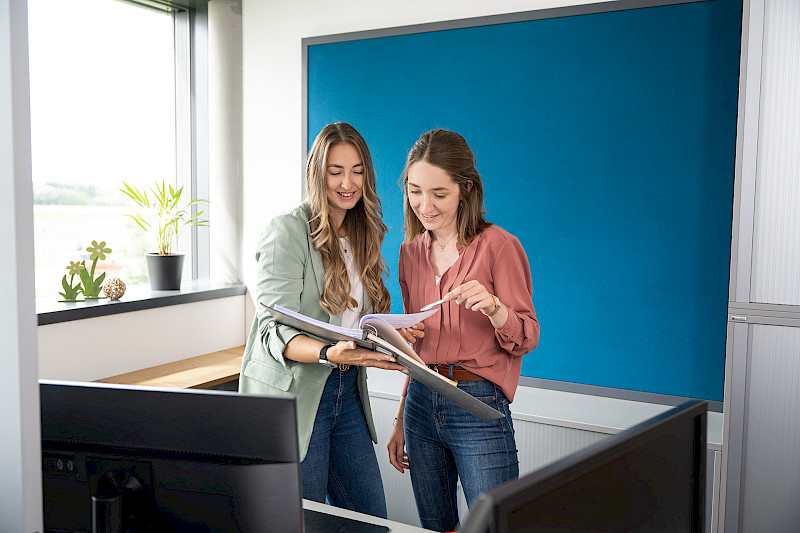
(378, 332)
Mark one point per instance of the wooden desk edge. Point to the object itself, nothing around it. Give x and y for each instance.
(198, 372)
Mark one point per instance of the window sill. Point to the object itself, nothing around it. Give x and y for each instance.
(136, 298)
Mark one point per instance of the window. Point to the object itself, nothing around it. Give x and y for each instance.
(108, 100)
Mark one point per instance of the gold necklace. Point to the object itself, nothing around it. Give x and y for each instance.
(442, 246)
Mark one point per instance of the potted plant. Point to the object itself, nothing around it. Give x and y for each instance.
(163, 213)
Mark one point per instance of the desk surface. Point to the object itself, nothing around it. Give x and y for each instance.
(198, 372)
(394, 527)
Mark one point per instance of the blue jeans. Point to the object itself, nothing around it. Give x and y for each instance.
(340, 463)
(444, 442)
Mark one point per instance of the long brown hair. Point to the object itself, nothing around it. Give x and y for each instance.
(362, 223)
(449, 151)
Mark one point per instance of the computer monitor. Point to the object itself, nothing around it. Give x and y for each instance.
(650, 477)
(120, 458)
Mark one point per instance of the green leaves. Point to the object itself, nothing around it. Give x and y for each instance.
(161, 211)
(70, 293)
(91, 285)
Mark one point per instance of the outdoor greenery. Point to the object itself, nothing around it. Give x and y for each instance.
(71, 194)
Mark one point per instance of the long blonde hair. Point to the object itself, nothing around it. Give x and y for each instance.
(449, 151)
(362, 223)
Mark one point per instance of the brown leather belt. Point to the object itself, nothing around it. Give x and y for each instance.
(459, 374)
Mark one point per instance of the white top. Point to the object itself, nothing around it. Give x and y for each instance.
(351, 316)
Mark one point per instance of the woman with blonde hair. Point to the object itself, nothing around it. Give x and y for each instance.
(477, 339)
(323, 260)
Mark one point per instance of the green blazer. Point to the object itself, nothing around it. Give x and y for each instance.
(290, 274)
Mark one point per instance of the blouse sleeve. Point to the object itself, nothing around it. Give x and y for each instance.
(512, 283)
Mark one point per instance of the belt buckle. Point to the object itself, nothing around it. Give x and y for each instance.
(344, 367)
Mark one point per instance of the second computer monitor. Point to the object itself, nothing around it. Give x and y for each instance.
(650, 477)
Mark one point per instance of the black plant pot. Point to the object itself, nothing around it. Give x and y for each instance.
(165, 271)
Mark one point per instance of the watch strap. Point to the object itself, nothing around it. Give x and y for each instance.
(323, 356)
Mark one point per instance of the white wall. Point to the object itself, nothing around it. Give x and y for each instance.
(20, 457)
(96, 348)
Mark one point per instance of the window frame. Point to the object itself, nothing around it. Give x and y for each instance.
(191, 120)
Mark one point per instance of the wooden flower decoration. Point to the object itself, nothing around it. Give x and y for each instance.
(98, 250)
(91, 285)
(71, 291)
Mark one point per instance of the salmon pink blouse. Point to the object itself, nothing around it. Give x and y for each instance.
(456, 335)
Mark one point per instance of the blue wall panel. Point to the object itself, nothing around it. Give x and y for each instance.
(607, 145)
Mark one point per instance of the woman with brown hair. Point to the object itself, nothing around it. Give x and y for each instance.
(478, 339)
(323, 260)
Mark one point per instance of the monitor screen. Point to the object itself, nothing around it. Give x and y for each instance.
(122, 458)
(650, 477)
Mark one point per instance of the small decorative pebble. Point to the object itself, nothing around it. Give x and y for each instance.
(113, 288)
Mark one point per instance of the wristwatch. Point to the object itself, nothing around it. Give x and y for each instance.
(323, 357)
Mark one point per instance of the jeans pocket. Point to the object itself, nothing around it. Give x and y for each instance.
(499, 402)
(491, 401)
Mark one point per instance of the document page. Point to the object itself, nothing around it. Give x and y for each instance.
(395, 321)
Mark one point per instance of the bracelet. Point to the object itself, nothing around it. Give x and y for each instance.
(398, 418)
(496, 306)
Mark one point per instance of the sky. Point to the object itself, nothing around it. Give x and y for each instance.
(102, 105)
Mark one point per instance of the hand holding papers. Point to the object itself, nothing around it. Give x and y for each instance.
(379, 332)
